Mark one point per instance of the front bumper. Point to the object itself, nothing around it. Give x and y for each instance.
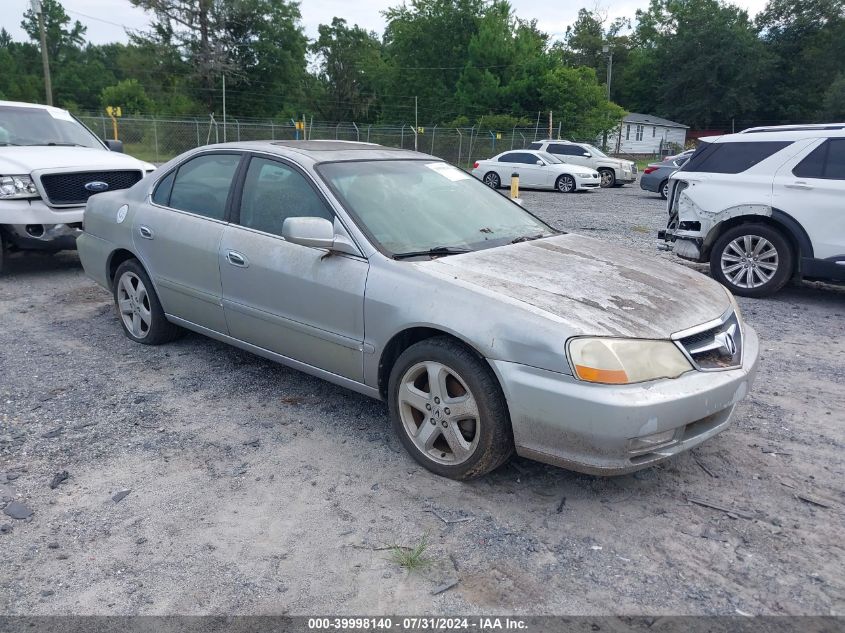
(35, 211)
(588, 183)
(595, 428)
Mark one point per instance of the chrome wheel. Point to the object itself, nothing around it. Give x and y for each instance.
(133, 302)
(492, 180)
(608, 178)
(439, 413)
(566, 184)
(749, 261)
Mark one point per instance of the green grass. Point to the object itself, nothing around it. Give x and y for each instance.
(411, 558)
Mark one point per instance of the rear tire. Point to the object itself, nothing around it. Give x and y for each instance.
(448, 410)
(664, 189)
(752, 260)
(492, 180)
(138, 308)
(608, 178)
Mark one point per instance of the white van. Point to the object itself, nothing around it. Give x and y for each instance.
(50, 164)
(763, 206)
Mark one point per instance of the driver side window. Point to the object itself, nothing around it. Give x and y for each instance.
(274, 192)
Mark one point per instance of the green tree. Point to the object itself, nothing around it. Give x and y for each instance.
(351, 71)
(129, 95)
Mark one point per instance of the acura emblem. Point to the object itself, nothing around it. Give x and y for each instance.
(726, 341)
(96, 186)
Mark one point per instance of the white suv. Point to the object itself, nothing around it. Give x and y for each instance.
(50, 164)
(763, 206)
(614, 172)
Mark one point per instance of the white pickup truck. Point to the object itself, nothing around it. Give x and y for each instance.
(50, 164)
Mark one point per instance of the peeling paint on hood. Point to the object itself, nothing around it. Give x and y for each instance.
(591, 286)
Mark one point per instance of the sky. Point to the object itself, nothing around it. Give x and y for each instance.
(106, 19)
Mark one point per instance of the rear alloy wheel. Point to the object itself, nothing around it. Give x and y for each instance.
(752, 260)
(492, 180)
(138, 307)
(448, 410)
(565, 184)
(608, 178)
(664, 189)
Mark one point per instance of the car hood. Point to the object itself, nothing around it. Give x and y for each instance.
(25, 160)
(590, 286)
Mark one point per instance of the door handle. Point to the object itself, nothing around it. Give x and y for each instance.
(146, 232)
(799, 184)
(237, 259)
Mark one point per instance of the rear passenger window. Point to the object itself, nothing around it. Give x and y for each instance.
(274, 192)
(202, 184)
(732, 158)
(826, 161)
(566, 150)
(535, 146)
(519, 157)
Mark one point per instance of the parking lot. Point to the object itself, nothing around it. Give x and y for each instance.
(255, 489)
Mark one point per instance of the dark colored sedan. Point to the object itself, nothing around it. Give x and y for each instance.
(655, 177)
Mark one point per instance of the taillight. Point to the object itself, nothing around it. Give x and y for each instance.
(650, 169)
(475, 165)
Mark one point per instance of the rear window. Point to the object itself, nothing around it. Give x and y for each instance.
(826, 161)
(535, 146)
(732, 158)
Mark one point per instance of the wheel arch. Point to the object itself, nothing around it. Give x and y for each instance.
(403, 339)
(788, 226)
(116, 258)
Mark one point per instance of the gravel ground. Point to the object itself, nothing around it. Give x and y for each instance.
(203, 480)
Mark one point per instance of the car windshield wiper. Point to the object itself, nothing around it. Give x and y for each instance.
(527, 238)
(437, 251)
(55, 144)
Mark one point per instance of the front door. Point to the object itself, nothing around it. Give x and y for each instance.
(294, 300)
(177, 236)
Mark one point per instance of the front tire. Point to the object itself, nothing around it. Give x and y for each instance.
(752, 260)
(448, 410)
(138, 307)
(492, 180)
(608, 178)
(565, 184)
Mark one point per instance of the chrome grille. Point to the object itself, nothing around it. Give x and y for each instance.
(714, 345)
(68, 188)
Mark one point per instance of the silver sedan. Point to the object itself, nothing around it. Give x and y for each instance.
(401, 277)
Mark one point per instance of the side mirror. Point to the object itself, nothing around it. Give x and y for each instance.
(587, 154)
(316, 233)
(114, 146)
(541, 163)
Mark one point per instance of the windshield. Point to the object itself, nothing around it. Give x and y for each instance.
(408, 206)
(595, 151)
(37, 126)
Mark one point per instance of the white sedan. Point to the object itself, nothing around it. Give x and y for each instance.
(537, 170)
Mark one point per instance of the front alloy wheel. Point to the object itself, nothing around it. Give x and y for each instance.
(448, 409)
(608, 178)
(565, 184)
(752, 260)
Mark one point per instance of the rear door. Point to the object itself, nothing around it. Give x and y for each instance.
(571, 154)
(177, 235)
(811, 188)
(293, 300)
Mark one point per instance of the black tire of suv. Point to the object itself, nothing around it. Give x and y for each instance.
(611, 178)
(786, 259)
(161, 330)
(495, 443)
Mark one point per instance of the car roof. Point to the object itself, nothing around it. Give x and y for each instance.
(318, 151)
(34, 106)
(781, 133)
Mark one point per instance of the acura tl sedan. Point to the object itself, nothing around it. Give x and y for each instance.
(401, 277)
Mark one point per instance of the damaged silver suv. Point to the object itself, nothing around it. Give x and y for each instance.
(762, 207)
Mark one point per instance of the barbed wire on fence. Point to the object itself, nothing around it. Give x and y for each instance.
(157, 140)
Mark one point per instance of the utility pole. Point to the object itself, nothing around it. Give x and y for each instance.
(48, 83)
(224, 107)
(550, 124)
(609, 51)
(416, 123)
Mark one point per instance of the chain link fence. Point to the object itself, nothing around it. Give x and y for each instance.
(157, 140)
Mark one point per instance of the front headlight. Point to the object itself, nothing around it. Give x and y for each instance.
(584, 175)
(17, 187)
(621, 361)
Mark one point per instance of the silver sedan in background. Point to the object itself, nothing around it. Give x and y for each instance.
(400, 276)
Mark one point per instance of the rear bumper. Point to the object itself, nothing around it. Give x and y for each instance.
(602, 429)
(650, 184)
(94, 254)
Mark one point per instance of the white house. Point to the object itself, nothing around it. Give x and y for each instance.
(647, 134)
